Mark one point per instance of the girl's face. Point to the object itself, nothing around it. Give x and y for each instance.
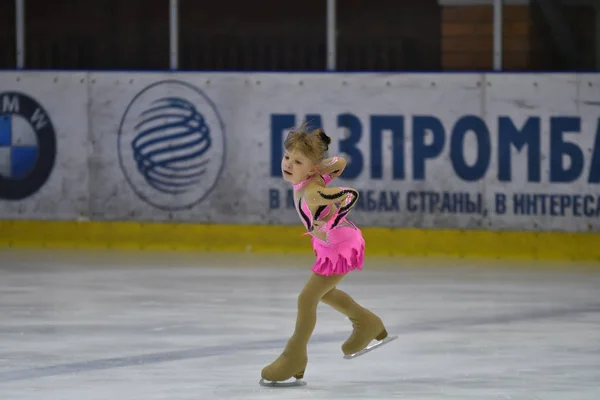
(295, 166)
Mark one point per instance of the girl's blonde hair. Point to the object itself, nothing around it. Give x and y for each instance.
(313, 144)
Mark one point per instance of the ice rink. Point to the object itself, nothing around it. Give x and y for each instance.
(121, 326)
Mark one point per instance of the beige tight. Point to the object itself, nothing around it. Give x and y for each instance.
(322, 288)
(316, 289)
(342, 302)
(293, 359)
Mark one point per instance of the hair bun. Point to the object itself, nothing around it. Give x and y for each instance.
(323, 136)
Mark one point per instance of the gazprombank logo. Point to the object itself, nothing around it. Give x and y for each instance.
(171, 145)
(27, 146)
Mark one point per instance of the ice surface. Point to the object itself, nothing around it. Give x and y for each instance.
(120, 326)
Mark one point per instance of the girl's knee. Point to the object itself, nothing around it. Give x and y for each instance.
(307, 298)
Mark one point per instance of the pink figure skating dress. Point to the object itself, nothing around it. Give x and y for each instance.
(343, 248)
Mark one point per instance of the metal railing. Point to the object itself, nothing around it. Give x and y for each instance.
(333, 59)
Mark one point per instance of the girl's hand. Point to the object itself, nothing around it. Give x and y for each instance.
(335, 174)
(333, 167)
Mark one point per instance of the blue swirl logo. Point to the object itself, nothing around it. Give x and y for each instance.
(171, 145)
(170, 154)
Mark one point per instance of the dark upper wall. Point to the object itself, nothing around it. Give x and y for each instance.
(265, 35)
(230, 34)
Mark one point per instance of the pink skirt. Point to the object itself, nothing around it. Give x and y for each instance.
(342, 252)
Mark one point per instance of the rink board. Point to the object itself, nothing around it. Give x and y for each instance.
(575, 246)
(441, 161)
(48, 112)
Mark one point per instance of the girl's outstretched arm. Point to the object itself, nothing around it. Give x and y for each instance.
(333, 166)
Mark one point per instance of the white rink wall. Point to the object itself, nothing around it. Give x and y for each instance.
(472, 151)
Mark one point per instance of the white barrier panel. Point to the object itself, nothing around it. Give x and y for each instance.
(498, 151)
(43, 145)
(165, 149)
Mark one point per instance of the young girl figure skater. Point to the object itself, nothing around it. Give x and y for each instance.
(338, 245)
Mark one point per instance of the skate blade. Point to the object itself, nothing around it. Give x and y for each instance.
(275, 384)
(371, 348)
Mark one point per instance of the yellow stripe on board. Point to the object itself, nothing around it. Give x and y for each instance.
(279, 238)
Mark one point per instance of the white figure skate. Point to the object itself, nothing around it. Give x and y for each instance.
(275, 384)
(371, 347)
